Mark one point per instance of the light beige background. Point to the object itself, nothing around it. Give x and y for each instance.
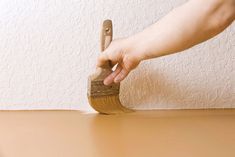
(49, 47)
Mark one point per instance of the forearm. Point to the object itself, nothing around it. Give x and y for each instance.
(184, 27)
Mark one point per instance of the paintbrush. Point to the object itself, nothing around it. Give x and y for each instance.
(105, 99)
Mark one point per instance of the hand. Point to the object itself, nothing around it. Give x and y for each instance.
(184, 27)
(122, 53)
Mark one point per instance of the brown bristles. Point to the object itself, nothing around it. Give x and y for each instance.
(108, 105)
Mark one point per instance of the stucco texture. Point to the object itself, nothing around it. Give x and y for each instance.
(49, 47)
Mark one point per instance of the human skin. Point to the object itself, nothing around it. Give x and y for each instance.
(184, 27)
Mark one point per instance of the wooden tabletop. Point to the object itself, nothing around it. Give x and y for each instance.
(182, 133)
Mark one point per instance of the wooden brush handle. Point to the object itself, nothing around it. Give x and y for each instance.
(106, 39)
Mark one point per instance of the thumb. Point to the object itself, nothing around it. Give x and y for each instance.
(109, 54)
(103, 58)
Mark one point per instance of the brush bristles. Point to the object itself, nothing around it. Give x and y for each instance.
(104, 99)
(108, 104)
(96, 88)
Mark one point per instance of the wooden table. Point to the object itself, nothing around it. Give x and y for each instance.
(182, 133)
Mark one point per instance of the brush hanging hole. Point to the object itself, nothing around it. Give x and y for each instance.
(107, 30)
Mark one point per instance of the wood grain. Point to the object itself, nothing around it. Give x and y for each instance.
(159, 133)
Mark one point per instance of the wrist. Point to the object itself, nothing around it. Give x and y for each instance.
(136, 46)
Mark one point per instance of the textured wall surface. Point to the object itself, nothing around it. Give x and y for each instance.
(49, 47)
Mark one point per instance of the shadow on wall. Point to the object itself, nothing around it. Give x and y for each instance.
(155, 90)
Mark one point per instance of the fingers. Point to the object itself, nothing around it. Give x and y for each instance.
(117, 76)
(112, 53)
(117, 55)
(110, 79)
(123, 69)
(123, 74)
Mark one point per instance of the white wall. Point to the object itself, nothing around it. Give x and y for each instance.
(48, 48)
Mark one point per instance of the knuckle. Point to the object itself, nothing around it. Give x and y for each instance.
(123, 73)
(130, 63)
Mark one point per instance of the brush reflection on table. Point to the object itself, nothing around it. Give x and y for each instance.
(208, 133)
